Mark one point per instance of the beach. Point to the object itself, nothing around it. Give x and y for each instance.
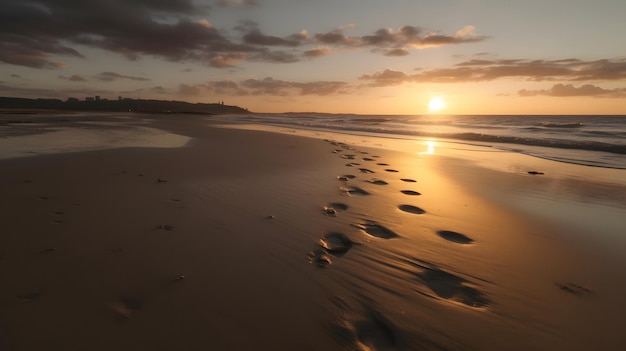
(236, 239)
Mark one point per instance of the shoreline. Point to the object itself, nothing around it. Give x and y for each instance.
(217, 245)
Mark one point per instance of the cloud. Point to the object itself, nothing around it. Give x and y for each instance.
(158, 90)
(387, 77)
(566, 90)
(36, 33)
(398, 42)
(267, 86)
(237, 3)
(488, 70)
(318, 51)
(257, 38)
(74, 78)
(111, 76)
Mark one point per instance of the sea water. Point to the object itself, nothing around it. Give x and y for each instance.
(591, 140)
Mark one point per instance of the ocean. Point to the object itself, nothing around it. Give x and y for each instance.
(591, 140)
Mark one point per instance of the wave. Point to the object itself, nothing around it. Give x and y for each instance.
(562, 125)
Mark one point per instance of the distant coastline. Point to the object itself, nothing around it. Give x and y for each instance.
(28, 106)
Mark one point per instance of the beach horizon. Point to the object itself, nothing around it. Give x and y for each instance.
(187, 232)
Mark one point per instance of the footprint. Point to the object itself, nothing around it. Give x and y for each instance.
(377, 182)
(125, 307)
(410, 192)
(345, 177)
(455, 237)
(376, 230)
(383, 164)
(166, 227)
(451, 287)
(365, 170)
(411, 209)
(348, 157)
(391, 170)
(370, 331)
(329, 211)
(29, 296)
(367, 159)
(408, 180)
(353, 190)
(319, 258)
(336, 243)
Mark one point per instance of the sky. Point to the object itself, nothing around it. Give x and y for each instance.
(406, 57)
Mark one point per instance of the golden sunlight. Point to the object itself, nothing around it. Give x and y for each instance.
(436, 104)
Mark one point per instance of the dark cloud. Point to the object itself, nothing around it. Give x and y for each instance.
(32, 33)
(487, 70)
(257, 38)
(566, 90)
(111, 76)
(74, 78)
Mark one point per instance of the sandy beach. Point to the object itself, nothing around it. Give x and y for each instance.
(254, 240)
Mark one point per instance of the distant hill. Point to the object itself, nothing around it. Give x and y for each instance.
(136, 105)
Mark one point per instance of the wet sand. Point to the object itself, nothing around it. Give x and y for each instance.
(250, 240)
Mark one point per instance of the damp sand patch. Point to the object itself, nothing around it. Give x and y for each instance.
(64, 140)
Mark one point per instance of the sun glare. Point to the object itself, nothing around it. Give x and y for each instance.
(436, 104)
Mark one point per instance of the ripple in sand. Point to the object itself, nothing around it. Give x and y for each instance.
(348, 157)
(353, 190)
(452, 287)
(338, 206)
(336, 243)
(411, 209)
(377, 182)
(455, 237)
(377, 230)
(410, 192)
(408, 180)
(383, 164)
(574, 289)
(365, 170)
(367, 159)
(391, 170)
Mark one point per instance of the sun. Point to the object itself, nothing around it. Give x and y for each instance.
(436, 104)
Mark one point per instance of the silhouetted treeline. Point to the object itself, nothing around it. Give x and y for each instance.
(136, 105)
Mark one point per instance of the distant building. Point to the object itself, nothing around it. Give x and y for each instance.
(119, 98)
(97, 97)
(89, 98)
(72, 99)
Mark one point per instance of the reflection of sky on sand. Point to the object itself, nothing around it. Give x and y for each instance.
(61, 140)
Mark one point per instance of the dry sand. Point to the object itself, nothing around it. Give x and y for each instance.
(249, 240)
